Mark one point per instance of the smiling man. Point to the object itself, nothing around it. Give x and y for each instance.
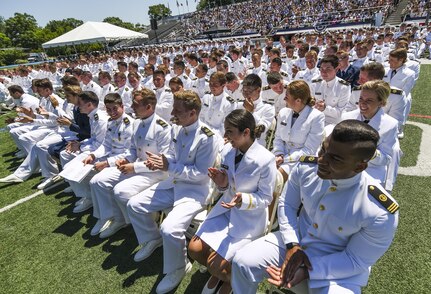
(335, 222)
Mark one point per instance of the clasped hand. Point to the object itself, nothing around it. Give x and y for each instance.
(156, 162)
(294, 270)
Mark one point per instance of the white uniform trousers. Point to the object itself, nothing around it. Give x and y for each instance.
(65, 157)
(17, 129)
(29, 139)
(249, 269)
(33, 161)
(408, 108)
(172, 229)
(81, 189)
(111, 190)
(47, 163)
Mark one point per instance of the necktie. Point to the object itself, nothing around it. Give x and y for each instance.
(238, 158)
(394, 72)
(294, 117)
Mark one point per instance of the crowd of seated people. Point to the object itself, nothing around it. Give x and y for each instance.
(262, 16)
(167, 128)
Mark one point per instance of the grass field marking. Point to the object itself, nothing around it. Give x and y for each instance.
(6, 208)
(423, 166)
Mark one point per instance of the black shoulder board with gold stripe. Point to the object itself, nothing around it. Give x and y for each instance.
(285, 74)
(168, 90)
(110, 119)
(207, 131)
(96, 117)
(126, 121)
(308, 159)
(356, 88)
(384, 200)
(230, 99)
(162, 123)
(344, 82)
(266, 88)
(396, 91)
(207, 92)
(316, 80)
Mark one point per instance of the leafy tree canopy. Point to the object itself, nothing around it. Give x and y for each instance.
(159, 11)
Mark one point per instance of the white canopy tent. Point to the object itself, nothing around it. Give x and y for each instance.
(92, 32)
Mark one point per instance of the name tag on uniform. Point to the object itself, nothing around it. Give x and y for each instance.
(318, 93)
(224, 166)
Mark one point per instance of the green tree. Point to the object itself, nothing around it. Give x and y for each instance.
(118, 22)
(159, 11)
(21, 30)
(8, 57)
(59, 27)
(2, 25)
(5, 42)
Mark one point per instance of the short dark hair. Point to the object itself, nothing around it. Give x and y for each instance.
(362, 136)
(277, 60)
(15, 88)
(375, 70)
(252, 80)
(243, 119)
(230, 77)
(44, 84)
(89, 96)
(332, 59)
(274, 78)
(113, 98)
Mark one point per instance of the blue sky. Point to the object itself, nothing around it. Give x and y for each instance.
(134, 11)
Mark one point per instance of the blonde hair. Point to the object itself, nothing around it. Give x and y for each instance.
(381, 88)
(189, 99)
(300, 90)
(72, 90)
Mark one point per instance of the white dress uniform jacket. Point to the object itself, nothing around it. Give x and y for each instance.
(271, 97)
(117, 139)
(95, 88)
(152, 134)
(301, 138)
(126, 96)
(200, 86)
(308, 75)
(215, 109)
(98, 125)
(387, 127)
(165, 100)
(192, 150)
(254, 177)
(264, 114)
(342, 227)
(335, 94)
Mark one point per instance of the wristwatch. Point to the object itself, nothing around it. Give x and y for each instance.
(291, 245)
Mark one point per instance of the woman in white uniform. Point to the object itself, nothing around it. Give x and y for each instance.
(384, 165)
(299, 127)
(246, 179)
